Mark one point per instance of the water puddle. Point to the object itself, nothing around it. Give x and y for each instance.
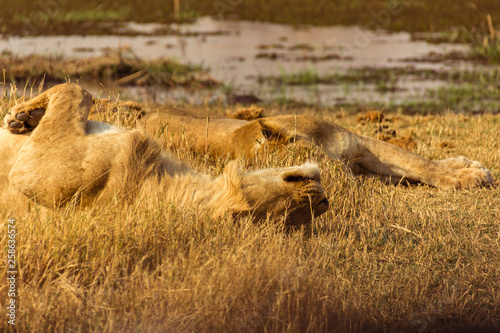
(239, 52)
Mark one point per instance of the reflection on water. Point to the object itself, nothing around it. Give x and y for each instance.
(238, 51)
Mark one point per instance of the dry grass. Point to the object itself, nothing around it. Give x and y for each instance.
(383, 258)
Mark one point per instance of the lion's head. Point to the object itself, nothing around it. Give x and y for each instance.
(294, 193)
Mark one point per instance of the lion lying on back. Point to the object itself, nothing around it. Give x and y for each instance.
(363, 155)
(51, 153)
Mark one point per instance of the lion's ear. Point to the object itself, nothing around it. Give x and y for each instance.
(276, 130)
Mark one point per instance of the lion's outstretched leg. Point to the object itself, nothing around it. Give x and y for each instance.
(389, 161)
(372, 157)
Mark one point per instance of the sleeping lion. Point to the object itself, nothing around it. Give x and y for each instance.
(51, 153)
(363, 155)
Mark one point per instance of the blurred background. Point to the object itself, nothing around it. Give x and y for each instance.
(408, 56)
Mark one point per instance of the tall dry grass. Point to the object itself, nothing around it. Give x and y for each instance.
(383, 258)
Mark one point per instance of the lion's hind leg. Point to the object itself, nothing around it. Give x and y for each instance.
(462, 173)
(24, 117)
(53, 163)
(387, 160)
(63, 108)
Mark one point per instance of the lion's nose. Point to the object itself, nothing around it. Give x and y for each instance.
(324, 202)
(320, 205)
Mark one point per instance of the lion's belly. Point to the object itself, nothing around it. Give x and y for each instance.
(96, 127)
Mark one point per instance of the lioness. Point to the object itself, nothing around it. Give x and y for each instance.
(363, 155)
(51, 153)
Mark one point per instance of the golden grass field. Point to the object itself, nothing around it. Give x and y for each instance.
(383, 258)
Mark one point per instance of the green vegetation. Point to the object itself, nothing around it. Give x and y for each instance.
(414, 16)
(384, 258)
(484, 43)
(462, 90)
(466, 92)
(488, 46)
(83, 15)
(120, 67)
(488, 50)
(379, 74)
(94, 15)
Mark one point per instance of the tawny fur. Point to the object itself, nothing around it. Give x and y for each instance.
(363, 155)
(65, 158)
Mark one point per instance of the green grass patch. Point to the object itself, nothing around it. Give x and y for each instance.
(462, 91)
(395, 15)
(79, 16)
(97, 14)
(120, 67)
(376, 75)
(488, 51)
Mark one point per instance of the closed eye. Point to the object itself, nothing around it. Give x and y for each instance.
(296, 178)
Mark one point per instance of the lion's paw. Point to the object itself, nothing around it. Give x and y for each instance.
(462, 173)
(23, 118)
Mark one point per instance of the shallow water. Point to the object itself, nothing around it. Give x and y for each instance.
(234, 50)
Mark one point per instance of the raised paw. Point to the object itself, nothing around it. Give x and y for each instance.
(462, 173)
(23, 118)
